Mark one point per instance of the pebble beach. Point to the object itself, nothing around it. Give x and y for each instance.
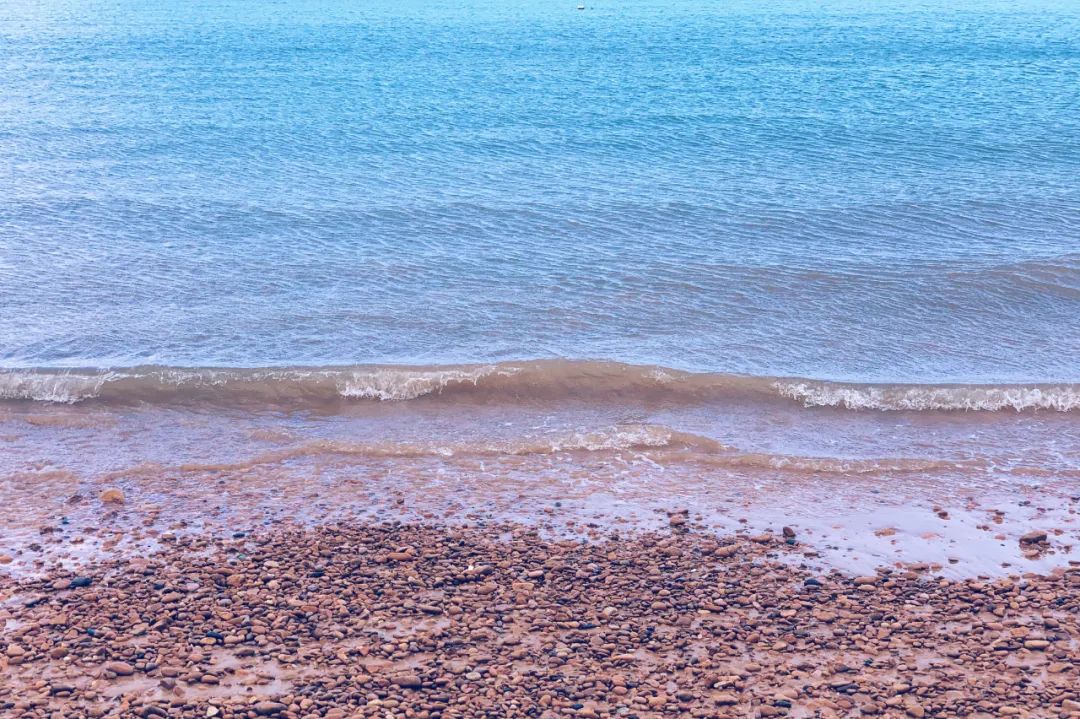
(426, 621)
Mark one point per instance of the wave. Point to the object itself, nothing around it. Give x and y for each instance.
(620, 438)
(1061, 398)
(300, 387)
(658, 445)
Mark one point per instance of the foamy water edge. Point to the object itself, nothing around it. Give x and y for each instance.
(510, 382)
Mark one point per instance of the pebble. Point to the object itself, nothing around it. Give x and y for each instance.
(121, 669)
(409, 681)
(267, 708)
(112, 496)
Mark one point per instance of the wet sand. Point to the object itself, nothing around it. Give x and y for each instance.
(849, 522)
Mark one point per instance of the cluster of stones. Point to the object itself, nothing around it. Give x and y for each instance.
(425, 622)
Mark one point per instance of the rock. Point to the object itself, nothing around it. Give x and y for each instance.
(267, 708)
(864, 581)
(1036, 644)
(725, 699)
(913, 708)
(112, 496)
(120, 669)
(789, 533)
(6, 559)
(408, 681)
(1033, 537)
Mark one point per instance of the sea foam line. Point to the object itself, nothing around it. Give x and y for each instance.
(552, 380)
(1063, 398)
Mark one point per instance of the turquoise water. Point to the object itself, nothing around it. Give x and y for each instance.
(878, 191)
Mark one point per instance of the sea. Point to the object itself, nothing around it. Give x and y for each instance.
(731, 241)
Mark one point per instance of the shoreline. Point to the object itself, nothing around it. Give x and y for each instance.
(448, 560)
(406, 620)
(855, 524)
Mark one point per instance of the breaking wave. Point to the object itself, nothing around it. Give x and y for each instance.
(1061, 398)
(300, 387)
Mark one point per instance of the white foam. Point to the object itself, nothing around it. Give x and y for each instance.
(390, 385)
(623, 437)
(1062, 398)
(61, 387)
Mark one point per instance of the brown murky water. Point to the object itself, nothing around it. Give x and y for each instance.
(571, 447)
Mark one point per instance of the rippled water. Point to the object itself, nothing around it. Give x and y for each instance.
(878, 191)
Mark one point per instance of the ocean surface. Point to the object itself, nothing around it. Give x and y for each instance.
(753, 239)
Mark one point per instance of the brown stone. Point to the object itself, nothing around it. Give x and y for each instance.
(112, 496)
(122, 669)
(268, 708)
